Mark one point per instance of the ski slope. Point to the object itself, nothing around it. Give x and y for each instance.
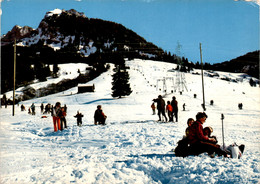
(133, 147)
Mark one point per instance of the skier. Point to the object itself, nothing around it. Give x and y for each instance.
(33, 109)
(199, 143)
(99, 116)
(240, 106)
(160, 107)
(79, 118)
(169, 110)
(63, 122)
(56, 114)
(174, 104)
(153, 108)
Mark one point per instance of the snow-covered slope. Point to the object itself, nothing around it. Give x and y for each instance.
(133, 147)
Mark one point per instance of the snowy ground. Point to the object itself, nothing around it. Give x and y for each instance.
(133, 147)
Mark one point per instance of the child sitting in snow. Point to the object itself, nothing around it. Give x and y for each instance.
(207, 132)
(189, 123)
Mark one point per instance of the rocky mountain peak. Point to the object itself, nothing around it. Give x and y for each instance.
(17, 32)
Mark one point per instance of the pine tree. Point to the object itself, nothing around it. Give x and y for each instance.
(121, 87)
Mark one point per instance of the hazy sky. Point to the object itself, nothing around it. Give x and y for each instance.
(226, 28)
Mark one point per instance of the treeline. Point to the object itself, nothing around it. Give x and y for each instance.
(34, 63)
(248, 63)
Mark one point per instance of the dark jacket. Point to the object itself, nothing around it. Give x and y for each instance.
(160, 103)
(174, 105)
(99, 115)
(57, 112)
(79, 117)
(196, 133)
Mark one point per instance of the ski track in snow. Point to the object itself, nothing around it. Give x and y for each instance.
(133, 147)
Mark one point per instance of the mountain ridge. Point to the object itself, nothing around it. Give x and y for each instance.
(60, 28)
(65, 36)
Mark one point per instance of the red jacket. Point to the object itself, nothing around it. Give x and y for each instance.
(196, 133)
(169, 108)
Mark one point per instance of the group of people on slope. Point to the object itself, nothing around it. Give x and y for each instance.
(59, 120)
(171, 108)
(199, 140)
(99, 117)
(31, 109)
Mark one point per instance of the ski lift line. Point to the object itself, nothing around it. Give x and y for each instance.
(208, 47)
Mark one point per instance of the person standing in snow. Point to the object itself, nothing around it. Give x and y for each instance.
(65, 108)
(79, 118)
(5, 100)
(169, 110)
(56, 114)
(99, 116)
(42, 107)
(160, 107)
(22, 107)
(153, 108)
(174, 104)
(63, 122)
(33, 109)
(199, 143)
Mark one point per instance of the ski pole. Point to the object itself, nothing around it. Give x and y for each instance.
(222, 118)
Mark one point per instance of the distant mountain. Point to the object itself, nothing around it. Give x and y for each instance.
(61, 29)
(68, 36)
(18, 33)
(248, 63)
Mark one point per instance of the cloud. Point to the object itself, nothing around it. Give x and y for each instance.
(251, 1)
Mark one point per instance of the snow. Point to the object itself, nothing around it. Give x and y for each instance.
(66, 71)
(54, 12)
(133, 147)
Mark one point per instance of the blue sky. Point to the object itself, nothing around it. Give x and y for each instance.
(226, 28)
